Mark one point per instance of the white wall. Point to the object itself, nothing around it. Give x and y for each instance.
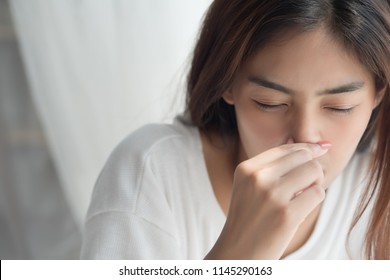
(98, 69)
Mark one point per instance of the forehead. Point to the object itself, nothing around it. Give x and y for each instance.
(310, 58)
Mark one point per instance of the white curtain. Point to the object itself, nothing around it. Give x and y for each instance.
(98, 69)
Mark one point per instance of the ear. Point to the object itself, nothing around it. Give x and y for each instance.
(228, 97)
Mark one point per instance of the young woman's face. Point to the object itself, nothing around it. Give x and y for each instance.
(304, 89)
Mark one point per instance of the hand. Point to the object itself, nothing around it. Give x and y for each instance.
(273, 193)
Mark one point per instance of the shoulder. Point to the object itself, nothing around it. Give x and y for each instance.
(156, 139)
(152, 144)
(141, 162)
(143, 177)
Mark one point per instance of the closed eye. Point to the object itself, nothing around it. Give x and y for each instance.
(341, 110)
(270, 107)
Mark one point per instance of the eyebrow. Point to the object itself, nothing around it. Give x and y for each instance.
(351, 87)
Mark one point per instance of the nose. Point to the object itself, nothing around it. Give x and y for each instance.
(304, 127)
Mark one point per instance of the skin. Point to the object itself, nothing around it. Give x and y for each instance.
(302, 104)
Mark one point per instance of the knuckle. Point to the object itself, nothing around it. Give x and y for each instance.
(316, 172)
(269, 196)
(242, 169)
(284, 215)
(319, 191)
(258, 178)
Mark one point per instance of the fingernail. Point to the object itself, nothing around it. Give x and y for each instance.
(325, 145)
(321, 148)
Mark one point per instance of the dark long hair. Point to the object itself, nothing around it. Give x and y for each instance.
(235, 30)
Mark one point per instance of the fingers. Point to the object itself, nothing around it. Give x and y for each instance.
(294, 183)
(278, 153)
(305, 202)
(289, 162)
(273, 193)
(284, 173)
(270, 173)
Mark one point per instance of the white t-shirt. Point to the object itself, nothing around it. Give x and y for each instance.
(154, 200)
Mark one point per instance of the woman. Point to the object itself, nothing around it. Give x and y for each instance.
(283, 151)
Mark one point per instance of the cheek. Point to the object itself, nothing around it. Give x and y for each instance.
(344, 136)
(347, 130)
(346, 133)
(259, 131)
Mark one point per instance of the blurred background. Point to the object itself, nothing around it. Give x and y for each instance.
(77, 76)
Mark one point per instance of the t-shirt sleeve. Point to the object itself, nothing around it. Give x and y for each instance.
(130, 215)
(120, 235)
